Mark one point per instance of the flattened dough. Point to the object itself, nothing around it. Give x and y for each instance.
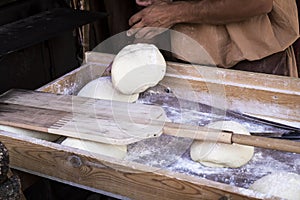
(30, 133)
(280, 184)
(222, 155)
(137, 67)
(102, 88)
(116, 151)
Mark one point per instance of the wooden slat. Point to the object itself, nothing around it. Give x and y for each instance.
(245, 92)
(77, 104)
(29, 117)
(127, 179)
(73, 81)
(80, 117)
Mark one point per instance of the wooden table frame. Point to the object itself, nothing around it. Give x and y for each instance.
(136, 181)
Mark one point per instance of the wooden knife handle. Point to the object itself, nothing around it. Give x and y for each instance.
(197, 132)
(267, 143)
(215, 135)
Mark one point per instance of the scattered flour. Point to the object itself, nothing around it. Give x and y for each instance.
(173, 153)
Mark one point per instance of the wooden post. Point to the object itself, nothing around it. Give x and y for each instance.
(86, 28)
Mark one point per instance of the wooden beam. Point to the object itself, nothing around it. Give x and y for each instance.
(245, 92)
(127, 179)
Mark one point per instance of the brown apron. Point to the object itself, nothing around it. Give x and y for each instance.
(260, 44)
(281, 63)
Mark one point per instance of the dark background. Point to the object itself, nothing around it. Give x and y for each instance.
(36, 65)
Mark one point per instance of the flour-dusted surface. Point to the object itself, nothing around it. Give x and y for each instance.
(173, 153)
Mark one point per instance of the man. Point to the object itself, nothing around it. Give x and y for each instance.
(251, 35)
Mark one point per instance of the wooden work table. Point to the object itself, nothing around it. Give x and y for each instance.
(256, 94)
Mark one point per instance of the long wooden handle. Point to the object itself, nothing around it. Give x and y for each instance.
(267, 143)
(215, 135)
(197, 132)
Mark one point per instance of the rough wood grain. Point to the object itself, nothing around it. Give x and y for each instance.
(77, 104)
(29, 117)
(131, 180)
(110, 122)
(53, 160)
(81, 117)
(253, 93)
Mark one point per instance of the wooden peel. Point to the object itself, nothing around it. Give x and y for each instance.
(102, 121)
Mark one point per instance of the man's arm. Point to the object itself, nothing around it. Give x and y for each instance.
(167, 14)
(221, 11)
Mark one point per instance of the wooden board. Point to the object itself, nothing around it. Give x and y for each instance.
(43, 26)
(115, 177)
(97, 120)
(250, 93)
(73, 81)
(138, 181)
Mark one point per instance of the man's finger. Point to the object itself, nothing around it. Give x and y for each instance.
(154, 32)
(133, 30)
(143, 32)
(135, 18)
(151, 35)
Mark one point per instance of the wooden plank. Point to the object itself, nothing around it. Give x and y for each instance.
(80, 117)
(42, 26)
(98, 58)
(78, 104)
(45, 158)
(29, 117)
(119, 177)
(258, 94)
(253, 93)
(72, 82)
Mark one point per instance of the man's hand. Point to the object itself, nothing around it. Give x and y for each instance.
(152, 20)
(164, 14)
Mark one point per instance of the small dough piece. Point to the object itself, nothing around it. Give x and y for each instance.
(222, 155)
(116, 151)
(102, 88)
(281, 184)
(137, 67)
(30, 133)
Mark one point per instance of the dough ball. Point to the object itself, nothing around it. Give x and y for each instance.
(30, 133)
(116, 151)
(137, 67)
(102, 88)
(214, 154)
(280, 184)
